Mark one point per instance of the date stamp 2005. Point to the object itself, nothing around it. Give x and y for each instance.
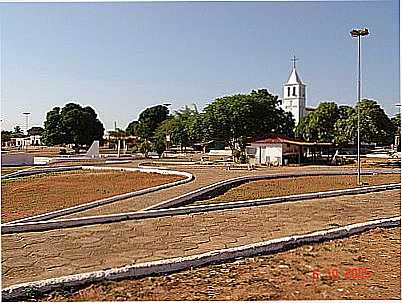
(349, 274)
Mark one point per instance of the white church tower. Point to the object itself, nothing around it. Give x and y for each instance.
(294, 95)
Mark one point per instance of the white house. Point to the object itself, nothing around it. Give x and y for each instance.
(280, 150)
(26, 141)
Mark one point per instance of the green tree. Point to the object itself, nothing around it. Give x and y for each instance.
(54, 132)
(145, 147)
(81, 125)
(181, 127)
(308, 127)
(396, 121)
(73, 124)
(132, 128)
(375, 125)
(159, 142)
(35, 130)
(6, 135)
(319, 125)
(197, 128)
(345, 111)
(233, 119)
(150, 119)
(18, 132)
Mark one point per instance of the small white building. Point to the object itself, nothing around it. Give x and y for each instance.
(280, 150)
(26, 141)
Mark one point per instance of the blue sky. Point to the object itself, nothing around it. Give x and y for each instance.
(122, 57)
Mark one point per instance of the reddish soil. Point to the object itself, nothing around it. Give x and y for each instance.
(11, 169)
(350, 268)
(39, 194)
(41, 151)
(76, 163)
(297, 185)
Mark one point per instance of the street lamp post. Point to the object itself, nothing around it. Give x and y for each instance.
(358, 33)
(26, 114)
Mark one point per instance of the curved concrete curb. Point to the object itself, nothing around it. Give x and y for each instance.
(66, 211)
(181, 263)
(205, 191)
(186, 210)
(35, 171)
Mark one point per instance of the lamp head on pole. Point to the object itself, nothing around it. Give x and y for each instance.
(359, 32)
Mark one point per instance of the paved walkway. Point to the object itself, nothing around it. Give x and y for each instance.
(35, 256)
(203, 177)
(283, 276)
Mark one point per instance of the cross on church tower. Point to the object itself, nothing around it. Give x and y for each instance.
(294, 59)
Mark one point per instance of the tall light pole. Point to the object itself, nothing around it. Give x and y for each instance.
(358, 33)
(26, 121)
(26, 126)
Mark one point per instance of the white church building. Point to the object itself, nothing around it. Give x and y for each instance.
(280, 150)
(294, 95)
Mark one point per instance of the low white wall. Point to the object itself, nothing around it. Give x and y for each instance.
(220, 152)
(16, 159)
(42, 160)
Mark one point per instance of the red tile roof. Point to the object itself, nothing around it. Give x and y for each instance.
(286, 140)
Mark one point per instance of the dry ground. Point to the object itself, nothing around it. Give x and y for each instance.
(41, 255)
(11, 169)
(40, 151)
(350, 268)
(296, 185)
(39, 194)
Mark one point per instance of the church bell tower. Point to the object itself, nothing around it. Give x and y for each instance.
(294, 95)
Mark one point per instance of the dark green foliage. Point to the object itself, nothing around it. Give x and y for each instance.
(73, 124)
(319, 125)
(329, 123)
(35, 130)
(6, 135)
(233, 119)
(18, 132)
(183, 128)
(150, 119)
(396, 121)
(54, 132)
(146, 128)
(132, 128)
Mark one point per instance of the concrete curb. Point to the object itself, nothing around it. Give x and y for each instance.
(66, 211)
(197, 194)
(186, 210)
(181, 263)
(35, 171)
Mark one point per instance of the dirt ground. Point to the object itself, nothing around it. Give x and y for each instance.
(39, 194)
(8, 170)
(296, 185)
(40, 151)
(74, 163)
(350, 268)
